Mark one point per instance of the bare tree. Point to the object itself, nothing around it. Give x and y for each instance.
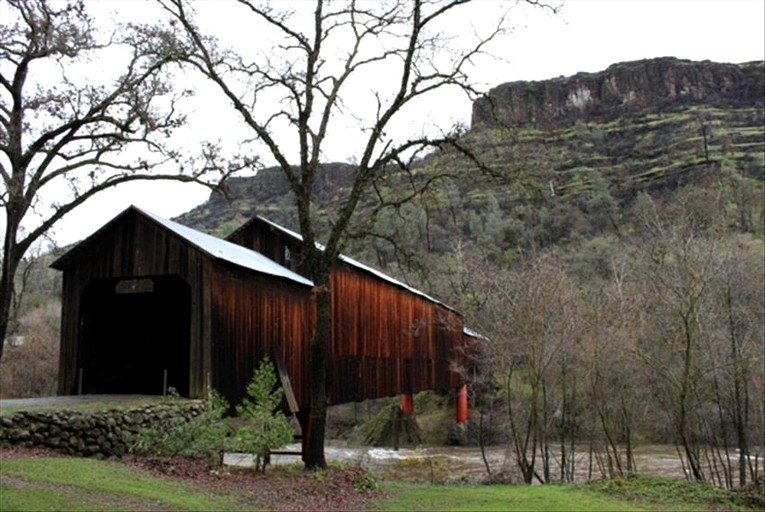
(733, 351)
(613, 372)
(540, 339)
(68, 133)
(680, 263)
(528, 316)
(292, 97)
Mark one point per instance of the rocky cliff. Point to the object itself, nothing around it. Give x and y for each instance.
(658, 84)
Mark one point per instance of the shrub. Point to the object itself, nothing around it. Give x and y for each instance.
(263, 425)
(203, 436)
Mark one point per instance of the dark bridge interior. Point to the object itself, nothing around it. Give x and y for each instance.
(134, 335)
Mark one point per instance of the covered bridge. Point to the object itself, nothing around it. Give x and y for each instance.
(149, 304)
(387, 337)
(144, 301)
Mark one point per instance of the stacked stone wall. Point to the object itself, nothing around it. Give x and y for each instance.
(105, 433)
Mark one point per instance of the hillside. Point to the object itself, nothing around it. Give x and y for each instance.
(567, 158)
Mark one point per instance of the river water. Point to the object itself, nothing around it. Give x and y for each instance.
(463, 464)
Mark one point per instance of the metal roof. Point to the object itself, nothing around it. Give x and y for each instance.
(361, 266)
(467, 331)
(228, 251)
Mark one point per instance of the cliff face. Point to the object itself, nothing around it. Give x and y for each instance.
(659, 84)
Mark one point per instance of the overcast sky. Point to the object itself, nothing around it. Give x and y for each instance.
(587, 35)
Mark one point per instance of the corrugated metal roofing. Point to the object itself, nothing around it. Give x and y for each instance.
(361, 266)
(227, 251)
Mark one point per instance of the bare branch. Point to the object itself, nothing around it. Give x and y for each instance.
(60, 126)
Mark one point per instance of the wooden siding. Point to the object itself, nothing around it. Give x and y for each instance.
(272, 243)
(251, 313)
(386, 340)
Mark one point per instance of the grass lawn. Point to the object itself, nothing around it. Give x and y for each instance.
(499, 497)
(66, 483)
(644, 493)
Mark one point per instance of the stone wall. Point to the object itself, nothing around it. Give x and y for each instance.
(106, 433)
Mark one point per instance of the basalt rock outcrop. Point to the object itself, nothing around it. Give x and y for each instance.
(658, 84)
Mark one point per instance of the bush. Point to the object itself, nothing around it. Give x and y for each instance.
(644, 488)
(203, 436)
(391, 427)
(262, 426)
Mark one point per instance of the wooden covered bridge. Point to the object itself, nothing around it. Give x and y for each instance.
(150, 304)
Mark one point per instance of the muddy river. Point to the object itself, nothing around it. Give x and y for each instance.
(462, 464)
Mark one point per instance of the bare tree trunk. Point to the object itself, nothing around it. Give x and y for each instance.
(482, 442)
(11, 258)
(521, 439)
(740, 380)
(564, 423)
(627, 418)
(320, 343)
(543, 429)
(690, 445)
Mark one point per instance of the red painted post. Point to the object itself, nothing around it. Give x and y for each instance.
(462, 404)
(407, 404)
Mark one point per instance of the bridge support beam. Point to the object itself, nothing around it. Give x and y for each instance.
(407, 404)
(462, 404)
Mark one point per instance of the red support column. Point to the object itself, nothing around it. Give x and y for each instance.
(407, 404)
(462, 404)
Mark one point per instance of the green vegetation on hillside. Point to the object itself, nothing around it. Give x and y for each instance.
(532, 187)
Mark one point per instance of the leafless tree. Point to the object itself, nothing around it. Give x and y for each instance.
(292, 97)
(613, 376)
(69, 130)
(733, 350)
(529, 354)
(669, 325)
(679, 261)
(30, 367)
(539, 313)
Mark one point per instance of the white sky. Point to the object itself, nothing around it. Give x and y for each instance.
(587, 35)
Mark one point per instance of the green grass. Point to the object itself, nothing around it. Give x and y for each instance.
(637, 493)
(88, 484)
(63, 483)
(667, 492)
(499, 497)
